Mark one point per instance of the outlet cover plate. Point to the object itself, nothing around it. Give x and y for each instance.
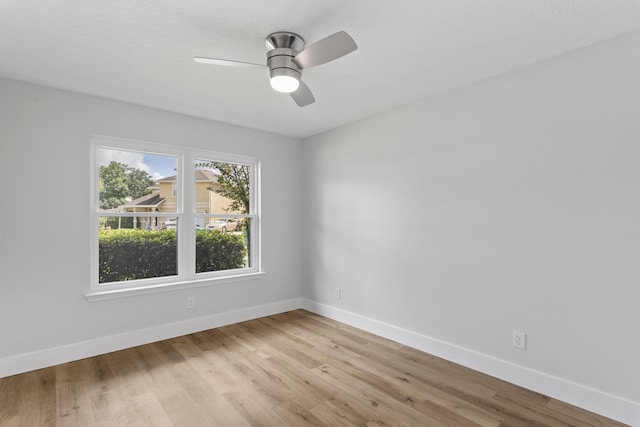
(520, 340)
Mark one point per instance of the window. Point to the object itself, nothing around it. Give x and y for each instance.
(165, 216)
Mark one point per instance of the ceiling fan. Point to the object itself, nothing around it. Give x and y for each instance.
(287, 57)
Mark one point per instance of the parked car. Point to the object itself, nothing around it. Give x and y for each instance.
(224, 225)
(170, 224)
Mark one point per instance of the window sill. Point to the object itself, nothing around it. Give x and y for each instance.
(167, 287)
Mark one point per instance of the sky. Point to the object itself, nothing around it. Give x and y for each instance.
(158, 166)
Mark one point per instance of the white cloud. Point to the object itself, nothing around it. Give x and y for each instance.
(129, 158)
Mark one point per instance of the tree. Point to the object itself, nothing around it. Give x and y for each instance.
(138, 182)
(113, 183)
(119, 183)
(233, 180)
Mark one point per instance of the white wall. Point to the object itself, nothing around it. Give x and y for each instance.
(44, 226)
(509, 204)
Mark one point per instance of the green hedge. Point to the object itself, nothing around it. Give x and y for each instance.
(139, 254)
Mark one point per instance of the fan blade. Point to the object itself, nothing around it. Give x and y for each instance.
(227, 63)
(325, 50)
(303, 95)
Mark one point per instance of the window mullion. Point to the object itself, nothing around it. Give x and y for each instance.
(187, 230)
(254, 210)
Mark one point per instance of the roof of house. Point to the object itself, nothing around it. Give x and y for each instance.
(149, 201)
(200, 175)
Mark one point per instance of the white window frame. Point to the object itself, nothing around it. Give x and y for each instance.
(185, 213)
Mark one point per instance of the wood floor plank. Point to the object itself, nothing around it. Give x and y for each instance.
(40, 388)
(291, 369)
(73, 405)
(334, 413)
(294, 415)
(362, 394)
(583, 417)
(11, 399)
(183, 394)
(537, 405)
(146, 409)
(250, 403)
(418, 392)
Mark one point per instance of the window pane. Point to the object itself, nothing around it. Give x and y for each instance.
(221, 188)
(133, 181)
(135, 253)
(223, 244)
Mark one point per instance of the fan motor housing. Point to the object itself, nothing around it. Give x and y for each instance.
(285, 39)
(283, 47)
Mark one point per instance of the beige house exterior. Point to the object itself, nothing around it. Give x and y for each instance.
(163, 200)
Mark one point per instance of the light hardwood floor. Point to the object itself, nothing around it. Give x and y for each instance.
(292, 369)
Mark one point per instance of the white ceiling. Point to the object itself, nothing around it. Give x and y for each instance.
(141, 51)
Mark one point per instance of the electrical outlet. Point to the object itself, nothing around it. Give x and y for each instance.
(191, 302)
(520, 340)
(338, 293)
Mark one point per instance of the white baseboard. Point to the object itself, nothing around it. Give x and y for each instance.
(588, 398)
(54, 356)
